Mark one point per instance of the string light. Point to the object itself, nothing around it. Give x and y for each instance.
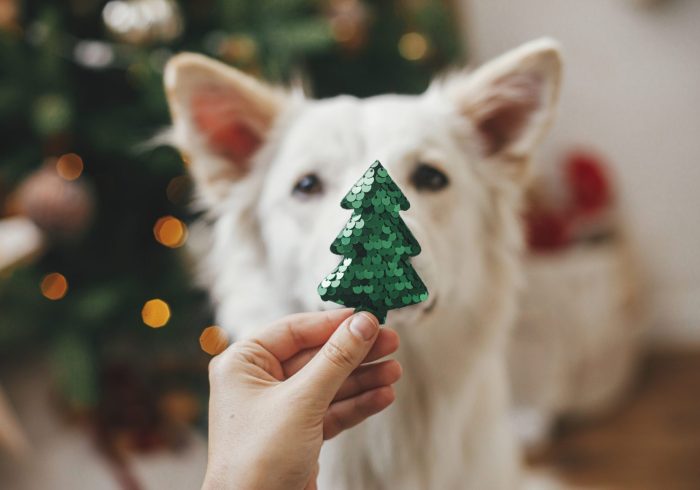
(170, 231)
(155, 313)
(69, 166)
(413, 46)
(54, 286)
(214, 340)
(238, 48)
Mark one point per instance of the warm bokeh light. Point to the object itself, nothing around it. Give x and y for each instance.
(54, 286)
(214, 340)
(239, 48)
(69, 166)
(170, 231)
(180, 406)
(413, 46)
(155, 313)
(343, 30)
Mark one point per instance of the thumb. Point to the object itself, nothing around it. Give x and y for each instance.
(339, 356)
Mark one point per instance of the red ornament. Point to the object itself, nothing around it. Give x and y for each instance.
(588, 181)
(59, 207)
(546, 230)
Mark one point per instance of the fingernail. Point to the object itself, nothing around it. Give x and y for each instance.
(363, 326)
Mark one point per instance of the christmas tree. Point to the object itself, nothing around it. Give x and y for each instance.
(81, 90)
(375, 274)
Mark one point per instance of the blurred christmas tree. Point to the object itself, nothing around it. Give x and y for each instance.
(80, 92)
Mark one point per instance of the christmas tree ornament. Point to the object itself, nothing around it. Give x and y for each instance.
(94, 54)
(413, 46)
(141, 22)
(239, 49)
(9, 14)
(588, 182)
(350, 22)
(62, 208)
(20, 241)
(375, 274)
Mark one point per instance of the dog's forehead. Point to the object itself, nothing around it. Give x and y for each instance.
(398, 113)
(355, 127)
(332, 119)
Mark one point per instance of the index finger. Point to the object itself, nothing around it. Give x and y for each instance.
(295, 333)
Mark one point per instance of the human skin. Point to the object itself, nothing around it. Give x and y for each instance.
(277, 396)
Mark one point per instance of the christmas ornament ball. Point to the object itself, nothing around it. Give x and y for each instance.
(59, 207)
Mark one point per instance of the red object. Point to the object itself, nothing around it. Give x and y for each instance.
(588, 182)
(546, 230)
(589, 194)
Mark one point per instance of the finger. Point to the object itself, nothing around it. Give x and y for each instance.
(348, 413)
(344, 351)
(295, 333)
(387, 342)
(369, 377)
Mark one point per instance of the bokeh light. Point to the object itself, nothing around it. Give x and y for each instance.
(180, 406)
(413, 46)
(214, 340)
(155, 313)
(170, 231)
(69, 166)
(238, 48)
(54, 286)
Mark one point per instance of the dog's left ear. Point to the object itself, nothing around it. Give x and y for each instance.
(511, 101)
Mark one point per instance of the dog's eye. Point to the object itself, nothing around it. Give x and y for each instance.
(428, 178)
(308, 185)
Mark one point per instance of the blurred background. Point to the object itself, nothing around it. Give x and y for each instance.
(102, 331)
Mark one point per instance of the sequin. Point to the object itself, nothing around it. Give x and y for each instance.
(375, 273)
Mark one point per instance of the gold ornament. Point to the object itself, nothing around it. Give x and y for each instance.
(413, 46)
(239, 49)
(9, 13)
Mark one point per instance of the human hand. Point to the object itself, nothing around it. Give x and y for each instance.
(275, 398)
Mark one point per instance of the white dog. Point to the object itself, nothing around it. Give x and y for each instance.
(271, 168)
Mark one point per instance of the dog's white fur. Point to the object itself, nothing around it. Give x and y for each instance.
(268, 248)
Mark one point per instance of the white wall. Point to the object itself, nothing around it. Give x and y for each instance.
(631, 90)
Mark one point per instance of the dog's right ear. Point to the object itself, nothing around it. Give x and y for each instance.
(510, 101)
(221, 117)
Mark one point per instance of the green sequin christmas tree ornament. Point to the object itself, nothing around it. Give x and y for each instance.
(375, 274)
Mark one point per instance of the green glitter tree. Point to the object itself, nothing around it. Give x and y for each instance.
(375, 274)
